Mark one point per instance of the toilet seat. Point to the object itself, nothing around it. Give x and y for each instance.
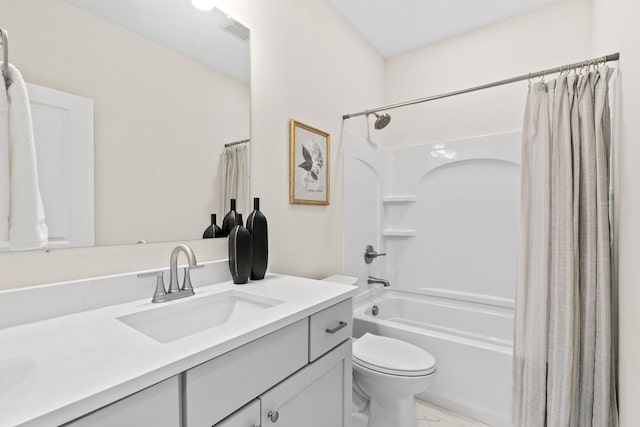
(391, 356)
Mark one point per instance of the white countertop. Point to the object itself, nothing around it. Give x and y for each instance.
(55, 370)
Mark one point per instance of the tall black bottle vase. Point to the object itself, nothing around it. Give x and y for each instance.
(257, 226)
(240, 254)
(230, 219)
(212, 230)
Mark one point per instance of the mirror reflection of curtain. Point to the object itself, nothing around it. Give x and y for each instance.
(235, 177)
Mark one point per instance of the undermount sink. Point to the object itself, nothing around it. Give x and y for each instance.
(187, 317)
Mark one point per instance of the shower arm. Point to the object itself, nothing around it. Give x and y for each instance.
(529, 76)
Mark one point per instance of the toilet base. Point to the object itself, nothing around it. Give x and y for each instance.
(392, 411)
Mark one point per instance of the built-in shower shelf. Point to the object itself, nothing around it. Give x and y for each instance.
(406, 198)
(399, 232)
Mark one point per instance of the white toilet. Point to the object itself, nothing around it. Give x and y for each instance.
(391, 372)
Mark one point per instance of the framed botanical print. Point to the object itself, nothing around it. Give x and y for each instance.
(308, 165)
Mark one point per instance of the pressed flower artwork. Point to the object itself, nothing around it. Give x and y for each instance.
(308, 165)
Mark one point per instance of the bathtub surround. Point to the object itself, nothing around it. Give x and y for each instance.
(432, 207)
(446, 214)
(564, 364)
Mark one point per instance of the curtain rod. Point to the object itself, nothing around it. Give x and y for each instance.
(601, 59)
(231, 144)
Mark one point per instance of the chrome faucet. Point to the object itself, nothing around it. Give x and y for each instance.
(175, 291)
(371, 280)
(173, 267)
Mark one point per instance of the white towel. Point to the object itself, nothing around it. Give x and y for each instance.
(4, 165)
(27, 229)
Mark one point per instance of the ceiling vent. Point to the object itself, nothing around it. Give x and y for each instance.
(235, 28)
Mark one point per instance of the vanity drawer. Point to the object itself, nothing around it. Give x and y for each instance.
(329, 327)
(218, 387)
(158, 405)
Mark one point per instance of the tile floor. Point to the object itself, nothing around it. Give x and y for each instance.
(430, 416)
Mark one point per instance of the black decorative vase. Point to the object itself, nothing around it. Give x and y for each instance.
(240, 254)
(213, 230)
(230, 219)
(239, 219)
(257, 226)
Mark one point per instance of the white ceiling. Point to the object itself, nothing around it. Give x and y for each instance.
(177, 25)
(396, 26)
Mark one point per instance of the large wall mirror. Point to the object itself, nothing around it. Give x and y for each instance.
(169, 88)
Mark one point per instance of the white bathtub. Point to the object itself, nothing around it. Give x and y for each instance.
(472, 344)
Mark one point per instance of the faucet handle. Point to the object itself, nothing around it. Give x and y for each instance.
(160, 289)
(370, 254)
(186, 282)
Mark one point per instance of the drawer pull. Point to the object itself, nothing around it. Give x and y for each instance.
(273, 416)
(341, 325)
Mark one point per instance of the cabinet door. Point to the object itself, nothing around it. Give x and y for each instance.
(158, 406)
(247, 416)
(220, 386)
(317, 396)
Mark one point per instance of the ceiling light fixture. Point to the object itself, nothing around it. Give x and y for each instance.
(204, 5)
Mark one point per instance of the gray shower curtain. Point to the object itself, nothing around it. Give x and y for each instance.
(564, 364)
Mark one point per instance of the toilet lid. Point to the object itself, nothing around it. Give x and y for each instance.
(392, 356)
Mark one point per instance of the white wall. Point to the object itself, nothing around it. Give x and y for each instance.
(544, 38)
(615, 29)
(307, 64)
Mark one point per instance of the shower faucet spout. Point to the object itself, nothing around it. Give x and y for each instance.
(371, 280)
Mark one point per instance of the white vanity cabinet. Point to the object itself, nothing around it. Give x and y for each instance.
(158, 406)
(220, 386)
(299, 375)
(242, 354)
(248, 416)
(317, 396)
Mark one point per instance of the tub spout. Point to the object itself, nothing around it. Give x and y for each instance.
(371, 280)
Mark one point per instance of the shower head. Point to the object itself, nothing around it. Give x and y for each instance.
(382, 120)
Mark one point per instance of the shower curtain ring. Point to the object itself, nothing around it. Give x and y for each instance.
(529, 79)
